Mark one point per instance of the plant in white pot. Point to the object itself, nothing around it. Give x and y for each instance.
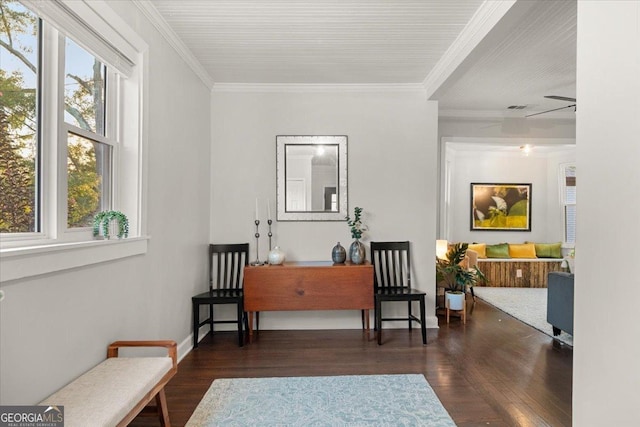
(455, 276)
(107, 223)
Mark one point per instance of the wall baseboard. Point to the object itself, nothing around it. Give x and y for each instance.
(186, 345)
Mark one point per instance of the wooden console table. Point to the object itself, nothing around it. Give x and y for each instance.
(315, 285)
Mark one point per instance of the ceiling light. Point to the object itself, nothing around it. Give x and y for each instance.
(526, 149)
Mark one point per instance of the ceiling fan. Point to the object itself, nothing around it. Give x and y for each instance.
(558, 98)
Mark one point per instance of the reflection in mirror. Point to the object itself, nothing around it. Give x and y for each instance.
(312, 178)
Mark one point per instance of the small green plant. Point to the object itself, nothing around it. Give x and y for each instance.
(454, 275)
(356, 224)
(101, 223)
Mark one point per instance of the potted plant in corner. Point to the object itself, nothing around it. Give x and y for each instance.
(455, 276)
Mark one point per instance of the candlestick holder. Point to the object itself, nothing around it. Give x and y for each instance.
(270, 234)
(257, 261)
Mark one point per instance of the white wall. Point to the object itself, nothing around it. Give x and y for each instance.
(54, 327)
(482, 130)
(392, 161)
(606, 374)
(482, 162)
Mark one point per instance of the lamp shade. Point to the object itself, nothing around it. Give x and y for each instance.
(441, 248)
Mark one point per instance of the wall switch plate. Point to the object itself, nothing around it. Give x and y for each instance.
(519, 272)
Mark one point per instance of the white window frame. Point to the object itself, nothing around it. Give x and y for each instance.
(564, 203)
(56, 247)
(111, 138)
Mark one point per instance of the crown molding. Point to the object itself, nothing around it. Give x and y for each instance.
(478, 114)
(316, 87)
(507, 147)
(472, 142)
(502, 114)
(172, 38)
(483, 21)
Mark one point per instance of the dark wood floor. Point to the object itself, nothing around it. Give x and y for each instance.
(494, 370)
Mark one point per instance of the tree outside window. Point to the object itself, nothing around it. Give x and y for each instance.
(19, 54)
(89, 155)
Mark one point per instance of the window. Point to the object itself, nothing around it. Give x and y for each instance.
(19, 124)
(62, 115)
(72, 134)
(568, 197)
(89, 148)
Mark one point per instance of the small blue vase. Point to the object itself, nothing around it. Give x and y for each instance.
(339, 254)
(357, 252)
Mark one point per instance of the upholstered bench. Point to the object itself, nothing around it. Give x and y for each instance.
(520, 265)
(518, 272)
(114, 392)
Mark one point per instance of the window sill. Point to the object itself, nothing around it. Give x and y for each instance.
(22, 263)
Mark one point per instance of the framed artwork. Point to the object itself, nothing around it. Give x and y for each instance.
(500, 207)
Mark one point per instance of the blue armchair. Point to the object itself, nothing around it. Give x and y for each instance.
(560, 302)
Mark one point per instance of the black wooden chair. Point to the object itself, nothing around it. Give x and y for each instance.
(226, 275)
(392, 282)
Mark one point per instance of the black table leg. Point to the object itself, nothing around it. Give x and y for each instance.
(422, 321)
(196, 321)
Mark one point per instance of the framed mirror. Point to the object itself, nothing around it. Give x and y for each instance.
(311, 178)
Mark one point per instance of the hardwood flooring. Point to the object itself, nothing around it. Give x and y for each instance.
(495, 370)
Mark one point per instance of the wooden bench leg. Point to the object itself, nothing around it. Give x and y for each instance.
(161, 405)
(447, 308)
(464, 312)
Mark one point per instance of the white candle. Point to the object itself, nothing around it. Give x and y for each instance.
(268, 209)
(257, 214)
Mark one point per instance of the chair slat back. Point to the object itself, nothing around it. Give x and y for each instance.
(391, 264)
(226, 265)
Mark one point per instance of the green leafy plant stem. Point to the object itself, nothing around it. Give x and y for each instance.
(355, 223)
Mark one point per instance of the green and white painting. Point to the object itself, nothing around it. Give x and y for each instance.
(505, 207)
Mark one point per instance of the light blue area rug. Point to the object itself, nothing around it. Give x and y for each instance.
(356, 400)
(526, 304)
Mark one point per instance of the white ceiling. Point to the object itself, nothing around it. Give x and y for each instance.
(525, 57)
(528, 53)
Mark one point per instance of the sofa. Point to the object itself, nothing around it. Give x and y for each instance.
(521, 265)
(560, 302)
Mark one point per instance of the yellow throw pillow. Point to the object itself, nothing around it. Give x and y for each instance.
(524, 250)
(480, 248)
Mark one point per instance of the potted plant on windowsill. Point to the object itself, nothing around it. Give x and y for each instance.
(106, 223)
(455, 276)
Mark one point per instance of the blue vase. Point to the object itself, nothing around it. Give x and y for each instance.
(357, 252)
(339, 254)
